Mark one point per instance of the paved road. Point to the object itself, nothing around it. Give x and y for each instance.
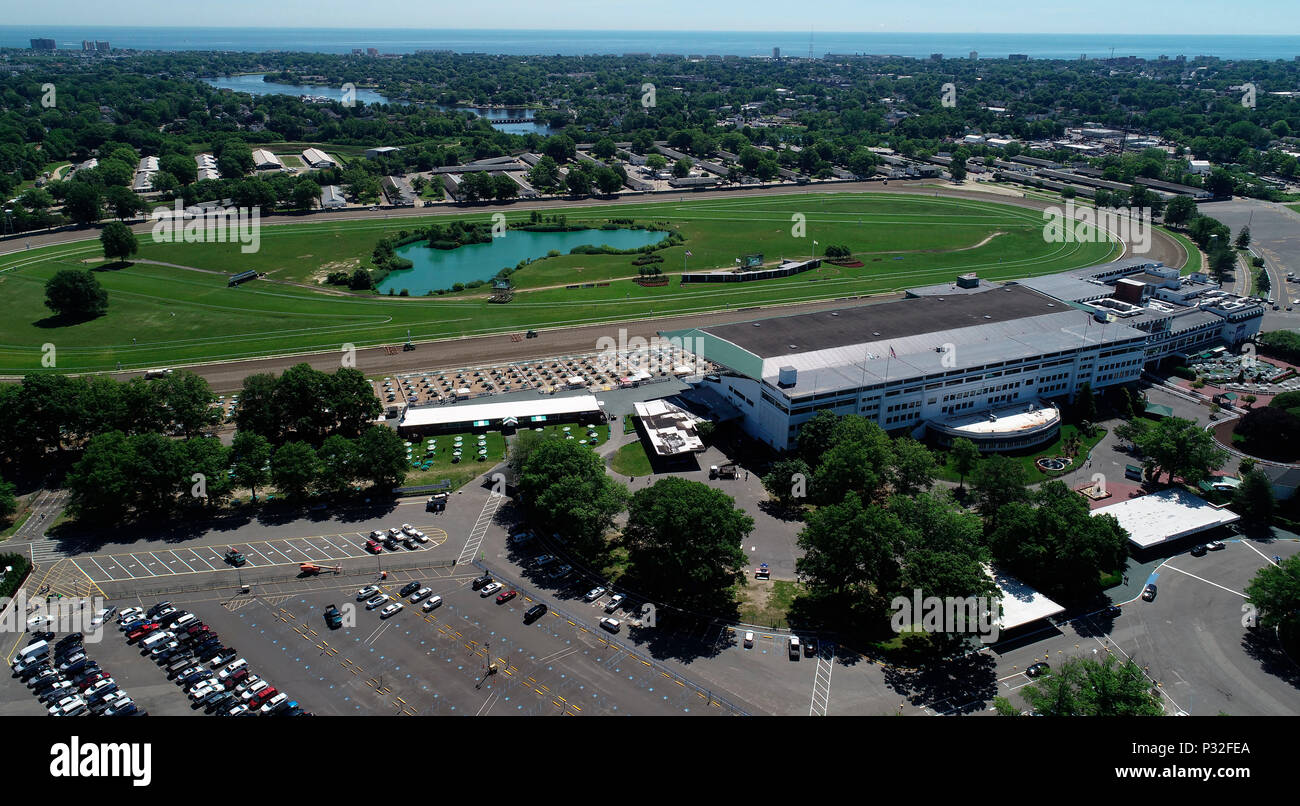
(451, 353)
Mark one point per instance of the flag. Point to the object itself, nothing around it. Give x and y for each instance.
(892, 354)
(688, 253)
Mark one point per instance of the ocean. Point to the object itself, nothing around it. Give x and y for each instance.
(747, 43)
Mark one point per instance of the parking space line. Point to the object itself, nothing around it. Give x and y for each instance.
(1206, 581)
(142, 565)
(177, 556)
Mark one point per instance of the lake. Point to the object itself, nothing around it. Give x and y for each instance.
(443, 268)
(254, 85)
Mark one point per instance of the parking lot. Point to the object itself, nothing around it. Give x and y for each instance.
(418, 663)
(1190, 639)
(326, 548)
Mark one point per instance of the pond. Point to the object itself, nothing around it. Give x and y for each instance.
(254, 85)
(494, 114)
(443, 268)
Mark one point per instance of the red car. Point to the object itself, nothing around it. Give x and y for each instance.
(374, 547)
(260, 698)
(506, 596)
(236, 678)
(92, 680)
(142, 631)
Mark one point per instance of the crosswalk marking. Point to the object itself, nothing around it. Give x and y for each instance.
(821, 691)
(481, 525)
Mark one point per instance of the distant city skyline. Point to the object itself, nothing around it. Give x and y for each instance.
(1114, 17)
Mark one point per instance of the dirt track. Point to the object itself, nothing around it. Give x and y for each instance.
(453, 353)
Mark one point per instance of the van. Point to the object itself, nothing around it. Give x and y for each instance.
(36, 650)
(160, 637)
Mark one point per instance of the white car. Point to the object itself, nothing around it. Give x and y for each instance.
(252, 690)
(594, 594)
(376, 601)
(392, 609)
(231, 668)
(104, 614)
(614, 602)
(238, 710)
(749, 639)
(489, 589)
(408, 529)
(367, 592)
(67, 706)
(129, 614)
(271, 704)
(420, 537)
(611, 624)
(431, 604)
(99, 687)
(249, 681)
(421, 594)
(203, 689)
(378, 534)
(395, 531)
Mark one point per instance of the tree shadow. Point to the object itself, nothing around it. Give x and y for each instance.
(951, 686)
(59, 320)
(1263, 646)
(777, 512)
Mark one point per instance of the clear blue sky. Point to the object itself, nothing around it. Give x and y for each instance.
(907, 16)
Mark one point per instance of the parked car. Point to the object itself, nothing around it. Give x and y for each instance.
(611, 624)
(749, 639)
(431, 603)
(367, 592)
(392, 610)
(1199, 550)
(1215, 545)
(614, 602)
(376, 601)
(374, 547)
(506, 596)
(409, 588)
(534, 613)
(420, 537)
(129, 613)
(594, 594)
(489, 589)
(479, 582)
(1037, 669)
(794, 647)
(333, 618)
(231, 668)
(421, 594)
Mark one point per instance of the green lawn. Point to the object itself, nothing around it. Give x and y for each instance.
(631, 460)
(1026, 458)
(1195, 260)
(164, 315)
(767, 603)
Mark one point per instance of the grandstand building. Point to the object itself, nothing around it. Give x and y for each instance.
(985, 361)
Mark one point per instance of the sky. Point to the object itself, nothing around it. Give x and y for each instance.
(902, 16)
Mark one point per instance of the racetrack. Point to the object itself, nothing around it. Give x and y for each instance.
(568, 332)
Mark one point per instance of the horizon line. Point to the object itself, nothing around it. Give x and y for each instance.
(640, 30)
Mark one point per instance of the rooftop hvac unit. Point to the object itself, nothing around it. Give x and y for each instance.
(787, 377)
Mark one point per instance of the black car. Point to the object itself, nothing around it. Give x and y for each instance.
(409, 543)
(1199, 550)
(71, 638)
(217, 650)
(217, 700)
(46, 673)
(534, 613)
(1149, 593)
(481, 581)
(226, 655)
(158, 608)
(333, 618)
(409, 588)
(809, 647)
(206, 644)
(390, 543)
(178, 665)
(80, 675)
(191, 679)
(1037, 669)
(1112, 612)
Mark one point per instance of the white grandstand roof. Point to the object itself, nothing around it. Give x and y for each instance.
(521, 410)
(1021, 604)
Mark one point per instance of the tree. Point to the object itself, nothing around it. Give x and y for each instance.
(815, 436)
(294, 469)
(188, 400)
(1180, 210)
(578, 182)
(503, 187)
(859, 459)
(305, 194)
(252, 460)
(565, 489)
(786, 480)
(607, 180)
(545, 175)
(998, 481)
(914, 467)
(560, 149)
(604, 148)
(1181, 448)
(1275, 593)
(8, 501)
(118, 241)
(75, 294)
(381, 457)
(1085, 404)
(1253, 499)
(682, 168)
(1085, 687)
(123, 202)
(339, 461)
(207, 458)
(1052, 542)
(1271, 432)
(100, 485)
(683, 540)
(351, 401)
(83, 203)
(965, 458)
(957, 169)
(258, 411)
(1243, 238)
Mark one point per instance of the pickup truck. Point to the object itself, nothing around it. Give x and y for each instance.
(333, 618)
